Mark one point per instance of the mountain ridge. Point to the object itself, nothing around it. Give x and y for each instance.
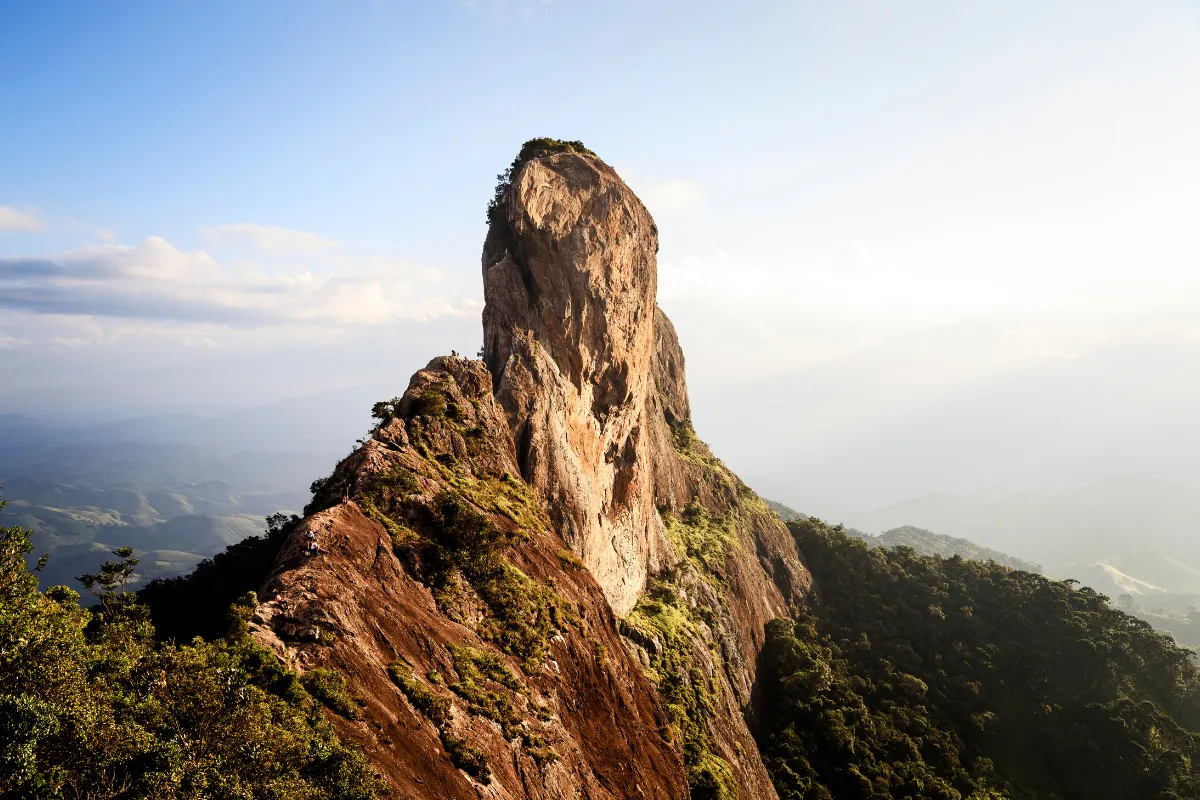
(512, 505)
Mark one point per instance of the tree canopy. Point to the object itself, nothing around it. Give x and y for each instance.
(92, 707)
(926, 677)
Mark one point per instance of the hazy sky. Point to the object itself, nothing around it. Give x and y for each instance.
(909, 247)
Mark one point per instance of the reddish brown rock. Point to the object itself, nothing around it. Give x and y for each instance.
(574, 445)
(362, 604)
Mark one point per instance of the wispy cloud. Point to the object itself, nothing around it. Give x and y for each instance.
(155, 281)
(24, 218)
(269, 239)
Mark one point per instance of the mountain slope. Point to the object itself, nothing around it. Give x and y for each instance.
(936, 678)
(475, 548)
(443, 563)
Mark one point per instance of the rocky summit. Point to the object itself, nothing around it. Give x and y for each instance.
(533, 580)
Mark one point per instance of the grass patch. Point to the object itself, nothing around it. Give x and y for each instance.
(704, 539)
(687, 694)
(384, 499)
(490, 687)
(435, 707)
(569, 559)
(508, 497)
(467, 757)
(329, 687)
(522, 614)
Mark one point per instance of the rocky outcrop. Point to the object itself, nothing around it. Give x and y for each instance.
(569, 282)
(537, 580)
(570, 715)
(592, 378)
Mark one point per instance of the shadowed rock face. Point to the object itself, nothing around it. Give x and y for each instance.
(617, 508)
(569, 336)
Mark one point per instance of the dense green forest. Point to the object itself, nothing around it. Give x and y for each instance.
(923, 677)
(93, 705)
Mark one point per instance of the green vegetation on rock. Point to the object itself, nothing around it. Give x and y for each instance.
(491, 691)
(522, 613)
(704, 539)
(462, 550)
(329, 686)
(679, 611)
(662, 618)
(435, 707)
(534, 148)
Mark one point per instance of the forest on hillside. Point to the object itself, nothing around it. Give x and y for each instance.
(926, 677)
(96, 703)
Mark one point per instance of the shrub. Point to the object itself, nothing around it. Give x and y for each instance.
(534, 148)
(683, 435)
(92, 706)
(467, 757)
(429, 403)
(569, 559)
(329, 686)
(240, 614)
(385, 411)
(435, 708)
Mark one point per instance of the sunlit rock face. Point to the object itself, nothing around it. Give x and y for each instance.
(574, 434)
(569, 334)
(591, 376)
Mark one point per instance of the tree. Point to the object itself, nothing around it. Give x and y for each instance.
(92, 707)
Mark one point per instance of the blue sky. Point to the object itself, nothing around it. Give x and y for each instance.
(916, 208)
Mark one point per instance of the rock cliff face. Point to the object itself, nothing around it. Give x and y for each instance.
(592, 378)
(533, 574)
(486, 657)
(568, 331)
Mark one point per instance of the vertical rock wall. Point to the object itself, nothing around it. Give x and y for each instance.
(591, 377)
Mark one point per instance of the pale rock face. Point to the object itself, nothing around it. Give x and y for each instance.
(569, 334)
(591, 377)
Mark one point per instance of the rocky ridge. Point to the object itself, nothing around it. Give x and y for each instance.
(478, 545)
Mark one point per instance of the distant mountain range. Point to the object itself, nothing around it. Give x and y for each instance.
(1132, 540)
(785, 513)
(176, 488)
(1069, 532)
(928, 543)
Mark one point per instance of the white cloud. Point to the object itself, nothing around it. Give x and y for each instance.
(20, 219)
(270, 239)
(156, 282)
